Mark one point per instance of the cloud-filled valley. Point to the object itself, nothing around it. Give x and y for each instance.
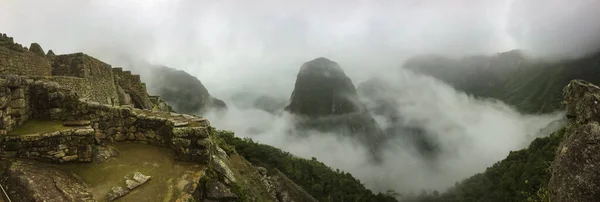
(242, 50)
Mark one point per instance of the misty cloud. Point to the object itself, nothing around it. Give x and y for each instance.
(242, 42)
(472, 134)
(258, 47)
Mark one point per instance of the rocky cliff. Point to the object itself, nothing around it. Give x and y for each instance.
(562, 167)
(575, 173)
(324, 98)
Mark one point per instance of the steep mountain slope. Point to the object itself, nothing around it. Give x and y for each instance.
(316, 178)
(533, 86)
(561, 167)
(325, 99)
(183, 91)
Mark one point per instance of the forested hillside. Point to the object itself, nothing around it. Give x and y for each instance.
(321, 181)
(532, 86)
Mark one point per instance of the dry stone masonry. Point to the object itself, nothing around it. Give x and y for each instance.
(91, 78)
(91, 105)
(109, 105)
(60, 146)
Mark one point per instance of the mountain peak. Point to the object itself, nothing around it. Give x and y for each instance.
(322, 66)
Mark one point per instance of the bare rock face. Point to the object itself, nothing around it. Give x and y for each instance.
(32, 181)
(322, 88)
(576, 168)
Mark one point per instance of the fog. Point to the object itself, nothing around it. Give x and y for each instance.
(473, 134)
(258, 47)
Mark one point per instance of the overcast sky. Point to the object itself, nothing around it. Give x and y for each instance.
(227, 42)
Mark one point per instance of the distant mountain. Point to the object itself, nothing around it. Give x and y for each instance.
(183, 91)
(325, 99)
(532, 86)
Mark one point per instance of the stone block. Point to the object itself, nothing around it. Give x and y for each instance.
(180, 142)
(6, 122)
(70, 158)
(55, 113)
(59, 154)
(130, 136)
(17, 112)
(4, 101)
(151, 134)
(77, 123)
(18, 93)
(140, 136)
(119, 137)
(100, 135)
(18, 103)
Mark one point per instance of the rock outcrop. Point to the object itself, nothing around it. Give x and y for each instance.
(323, 89)
(325, 99)
(183, 91)
(32, 181)
(575, 173)
(132, 183)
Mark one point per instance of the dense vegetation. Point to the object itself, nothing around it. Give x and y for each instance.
(522, 176)
(529, 85)
(321, 181)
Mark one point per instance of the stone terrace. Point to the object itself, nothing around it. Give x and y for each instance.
(186, 135)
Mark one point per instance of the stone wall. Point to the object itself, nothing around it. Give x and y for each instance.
(14, 102)
(72, 145)
(79, 85)
(133, 86)
(116, 124)
(98, 74)
(17, 60)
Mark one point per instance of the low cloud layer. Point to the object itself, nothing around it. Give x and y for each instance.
(257, 47)
(472, 134)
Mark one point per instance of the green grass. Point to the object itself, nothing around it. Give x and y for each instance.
(167, 175)
(38, 126)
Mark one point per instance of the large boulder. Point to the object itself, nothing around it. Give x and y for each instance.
(325, 99)
(183, 91)
(32, 181)
(575, 173)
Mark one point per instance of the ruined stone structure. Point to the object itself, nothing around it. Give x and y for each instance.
(89, 77)
(88, 105)
(108, 105)
(185, 134)
(17, 60)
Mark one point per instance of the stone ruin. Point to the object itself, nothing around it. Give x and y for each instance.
(104, 104)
